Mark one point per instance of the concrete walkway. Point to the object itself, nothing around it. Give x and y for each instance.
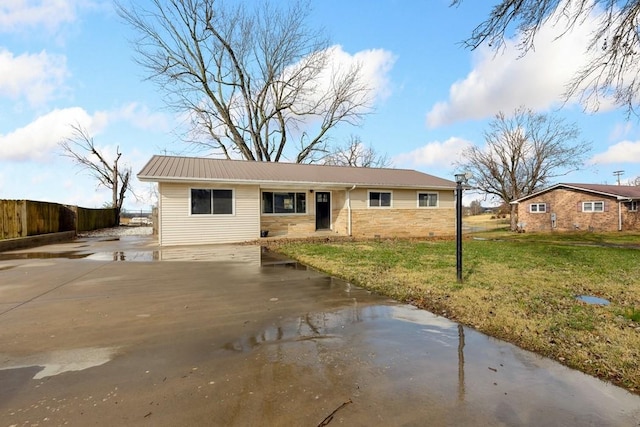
(119, 332)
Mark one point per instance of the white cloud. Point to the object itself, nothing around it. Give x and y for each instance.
(141, 117)
(35, 140)
(434, 154)
(622, 152)
(374, 66)
(504, 81)
(620, 130)
(36, 77)
(17, 15)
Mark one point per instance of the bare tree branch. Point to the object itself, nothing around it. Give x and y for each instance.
(80, 147)
(355, 153)
(614, 48)
(251, 79)
(522, 154)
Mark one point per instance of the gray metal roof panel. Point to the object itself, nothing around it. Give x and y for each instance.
(174, 168)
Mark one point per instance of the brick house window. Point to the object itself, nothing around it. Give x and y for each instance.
(427, 200)
(379, 199)
(633, 206)
(593, 206)
(211, 202)
(538, 207)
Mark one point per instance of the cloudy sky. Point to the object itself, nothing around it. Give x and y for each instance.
(70, 62)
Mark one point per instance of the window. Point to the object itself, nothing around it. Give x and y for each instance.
(273, 202)
(592, 206)
(378, 199)
(633, 206)
(208, 202)
(538, 207)
(427, 200)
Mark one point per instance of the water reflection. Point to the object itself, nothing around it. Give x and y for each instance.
(593, 300)
(9, 256)
(460, 363)
(104, 250)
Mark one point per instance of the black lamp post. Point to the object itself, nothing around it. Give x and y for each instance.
(461, 178)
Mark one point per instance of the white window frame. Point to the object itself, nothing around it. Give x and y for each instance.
(633, 206)
(233, 202)
(295, 202)
(590, 206)
(429, 193)
(537, 208)
(379, 191)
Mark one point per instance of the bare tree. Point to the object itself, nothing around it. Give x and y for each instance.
(522, 153)
(253, 80)
(614, 48)
(81, 148)
(355, 153)
(475, 208)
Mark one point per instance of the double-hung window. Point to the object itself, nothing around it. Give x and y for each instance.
(211, 202)
(427, 200)
(284, 203)
(537, 207)
(633, 206)
(379, 199)
(593, 206)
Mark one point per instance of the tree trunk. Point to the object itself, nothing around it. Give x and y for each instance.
(514, 217)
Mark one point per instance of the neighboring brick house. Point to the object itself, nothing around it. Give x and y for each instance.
(589, 207)
(205, 200)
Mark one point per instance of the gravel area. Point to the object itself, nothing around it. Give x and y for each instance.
(119, 231)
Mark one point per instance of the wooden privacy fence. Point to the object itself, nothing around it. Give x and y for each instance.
(23, 218)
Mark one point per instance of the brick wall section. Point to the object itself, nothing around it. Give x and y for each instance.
(567, 205)
(403, 222)
(340, 218)
(367, 223)
(288, 225)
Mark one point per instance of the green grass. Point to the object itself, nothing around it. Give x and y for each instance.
(517, 287)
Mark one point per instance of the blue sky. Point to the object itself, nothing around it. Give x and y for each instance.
(65, 62)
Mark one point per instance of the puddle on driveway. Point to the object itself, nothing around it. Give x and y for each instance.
(10, 256)
(247, 254)
(132, 256)
(234, 345)
(383, 357)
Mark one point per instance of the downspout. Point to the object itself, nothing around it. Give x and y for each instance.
(619, 215)
(349, 210)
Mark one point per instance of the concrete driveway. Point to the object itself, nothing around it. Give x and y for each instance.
(119, 332)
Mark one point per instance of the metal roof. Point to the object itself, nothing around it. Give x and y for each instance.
(621, 192)
(199, 169)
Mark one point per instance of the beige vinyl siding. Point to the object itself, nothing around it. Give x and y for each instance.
(401, 198)
(179, 227)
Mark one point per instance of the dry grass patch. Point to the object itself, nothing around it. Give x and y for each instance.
(522, 290)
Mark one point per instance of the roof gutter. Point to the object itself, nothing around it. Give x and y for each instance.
(267, 183)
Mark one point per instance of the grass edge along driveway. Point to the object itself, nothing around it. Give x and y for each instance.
(519, 288)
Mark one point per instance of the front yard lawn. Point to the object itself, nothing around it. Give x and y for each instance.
(518, 287)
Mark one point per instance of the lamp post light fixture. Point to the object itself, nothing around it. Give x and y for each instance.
(461, 178)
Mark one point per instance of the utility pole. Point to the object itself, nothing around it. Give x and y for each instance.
(617, 174)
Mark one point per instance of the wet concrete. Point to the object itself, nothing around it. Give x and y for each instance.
(214, 337)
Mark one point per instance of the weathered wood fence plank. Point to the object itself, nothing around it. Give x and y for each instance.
(23, 218)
